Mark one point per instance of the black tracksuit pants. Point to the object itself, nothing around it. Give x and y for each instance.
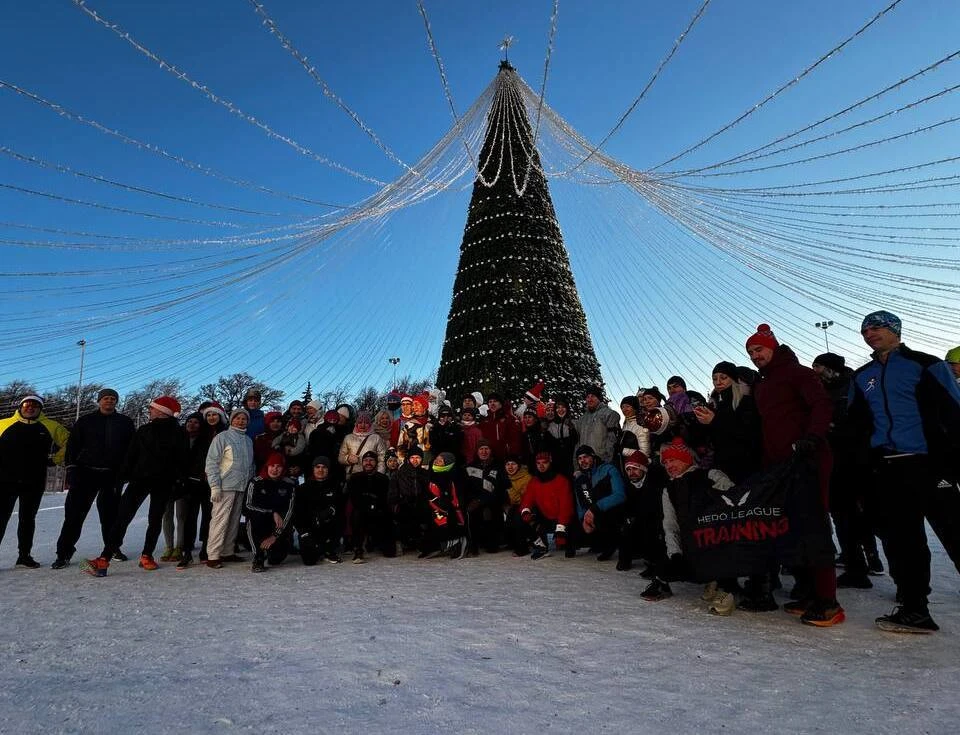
(903, 495)
(29, 494)
(137, 491)
(261, 526)
(86, 486)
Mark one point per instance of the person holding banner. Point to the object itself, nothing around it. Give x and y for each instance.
(795, 415)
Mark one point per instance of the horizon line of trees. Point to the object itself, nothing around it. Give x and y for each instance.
(60, 404)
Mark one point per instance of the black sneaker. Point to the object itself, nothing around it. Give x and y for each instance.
(257, 565)
(902, 620)
(358, 557)
(28, 562)
(540, 549)
(333, 557)
(606, 554)
(185, 561)
(624, 565)
(874, 565)
(656, 591)
(120, 556)
(59, 563)
(854, 581)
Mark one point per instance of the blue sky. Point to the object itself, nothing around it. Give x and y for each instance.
(336, 314)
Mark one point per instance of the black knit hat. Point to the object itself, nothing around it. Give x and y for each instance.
(633, 402)
(831, 361)
(585, 449)
(725, 368)
(677, 380)
(594, 390)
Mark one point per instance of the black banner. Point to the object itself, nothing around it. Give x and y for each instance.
(775, 517)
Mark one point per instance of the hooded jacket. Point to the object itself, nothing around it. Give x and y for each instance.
(793, 404)
(25, 446)
(229, 465)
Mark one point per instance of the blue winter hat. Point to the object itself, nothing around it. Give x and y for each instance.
(880, 319)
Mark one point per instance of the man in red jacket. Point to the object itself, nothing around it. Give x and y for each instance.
(795, 415)
(546, 507)
(501, 428)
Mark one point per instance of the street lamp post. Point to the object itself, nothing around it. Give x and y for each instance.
(825, 325)
(82, 344)
(394, 361)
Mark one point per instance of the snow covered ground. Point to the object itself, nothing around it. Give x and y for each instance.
(487, 645)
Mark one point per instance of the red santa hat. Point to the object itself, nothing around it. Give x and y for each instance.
(763, 337)
(167, 405)
(535, 392)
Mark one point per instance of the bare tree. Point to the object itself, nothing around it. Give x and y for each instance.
(229, 391)
(61, 404)
(12, 393)
(370, 400)
(334, 397)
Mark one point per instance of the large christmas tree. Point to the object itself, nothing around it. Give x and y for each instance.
(516, 317)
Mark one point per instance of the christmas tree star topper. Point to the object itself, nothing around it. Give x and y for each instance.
(505, 45)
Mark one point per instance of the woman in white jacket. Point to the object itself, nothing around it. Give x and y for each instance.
(229, 470)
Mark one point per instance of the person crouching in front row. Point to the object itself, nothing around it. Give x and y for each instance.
(269, 507)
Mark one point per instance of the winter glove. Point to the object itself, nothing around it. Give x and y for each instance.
(806, 446)
(560, 537)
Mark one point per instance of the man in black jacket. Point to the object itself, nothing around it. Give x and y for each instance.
(155, 461)
(95, 451)
(369, 519)
(316, 515)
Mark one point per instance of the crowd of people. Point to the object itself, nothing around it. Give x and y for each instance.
(479, 475)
